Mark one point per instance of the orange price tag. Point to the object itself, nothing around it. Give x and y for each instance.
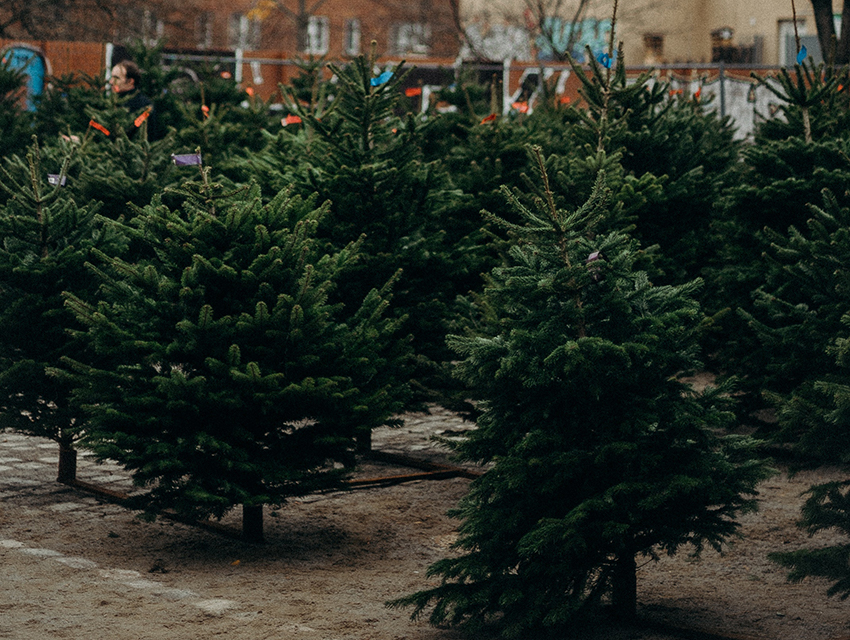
(99, 127)
(142, 117)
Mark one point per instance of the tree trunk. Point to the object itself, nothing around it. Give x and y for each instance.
(302, 24)
(363, 439)
(842, 52)
(825, 26)
(252, 523)
(624, 587)
(67, 464)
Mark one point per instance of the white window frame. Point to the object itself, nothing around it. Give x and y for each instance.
(786, 29)
(318, 32)
(410, 37)
(243, 32)
(351, 37)
(204, 29)
(153, 29)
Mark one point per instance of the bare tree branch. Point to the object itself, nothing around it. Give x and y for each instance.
(285, 10)
(462, 35)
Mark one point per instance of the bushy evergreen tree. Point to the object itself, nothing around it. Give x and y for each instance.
(796, 315)
(601, 453)
(825, 416)
(63, 106)
(368, 162)
(223, 375)
(226, 132)
(774, 186)
(47, 238)
(768, 192)
(120, 170)
(812, 103)
(688, 148)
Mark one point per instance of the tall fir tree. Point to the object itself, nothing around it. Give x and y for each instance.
(367, 160)
(601, 453)
(687, 147)
(47, 239)
(222, 374)
(801, 321)
(796, 156)
(64, 106)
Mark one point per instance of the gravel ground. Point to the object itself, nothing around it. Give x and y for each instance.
(73, 565)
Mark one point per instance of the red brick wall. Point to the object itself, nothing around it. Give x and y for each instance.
(376, 19)
(67, 57)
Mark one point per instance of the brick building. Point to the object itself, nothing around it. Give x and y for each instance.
(336, 28)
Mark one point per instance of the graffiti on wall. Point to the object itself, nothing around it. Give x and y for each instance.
(591, 33)
(496, 42)
(29, 62)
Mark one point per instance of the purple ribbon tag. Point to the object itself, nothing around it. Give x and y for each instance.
(186, 159)
(53, 179)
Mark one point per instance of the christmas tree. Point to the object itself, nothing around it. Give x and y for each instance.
(601, 454)
(656, 131)
(825, 418)
(68, 103)
(769, 193)
(47, 238)
(367, 161)
(812, 105)
(796, 315)
(222, 374)
(121, 169)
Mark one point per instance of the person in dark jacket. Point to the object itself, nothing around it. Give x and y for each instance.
(125, 79)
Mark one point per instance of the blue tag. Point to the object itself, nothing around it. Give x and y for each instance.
(381, 79)
(604, 60)
(802, 55)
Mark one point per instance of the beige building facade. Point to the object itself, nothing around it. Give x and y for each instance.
(652, 31)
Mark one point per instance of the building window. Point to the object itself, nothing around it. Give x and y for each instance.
(204, 30)
(317, 39)
(152, 27)
(787, 49)
(410, 37)
(243, 32)
(351, 37)
(653, 48)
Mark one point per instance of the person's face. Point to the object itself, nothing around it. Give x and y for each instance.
(118, 80)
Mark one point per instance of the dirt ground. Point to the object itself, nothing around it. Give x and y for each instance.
(75, 566)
